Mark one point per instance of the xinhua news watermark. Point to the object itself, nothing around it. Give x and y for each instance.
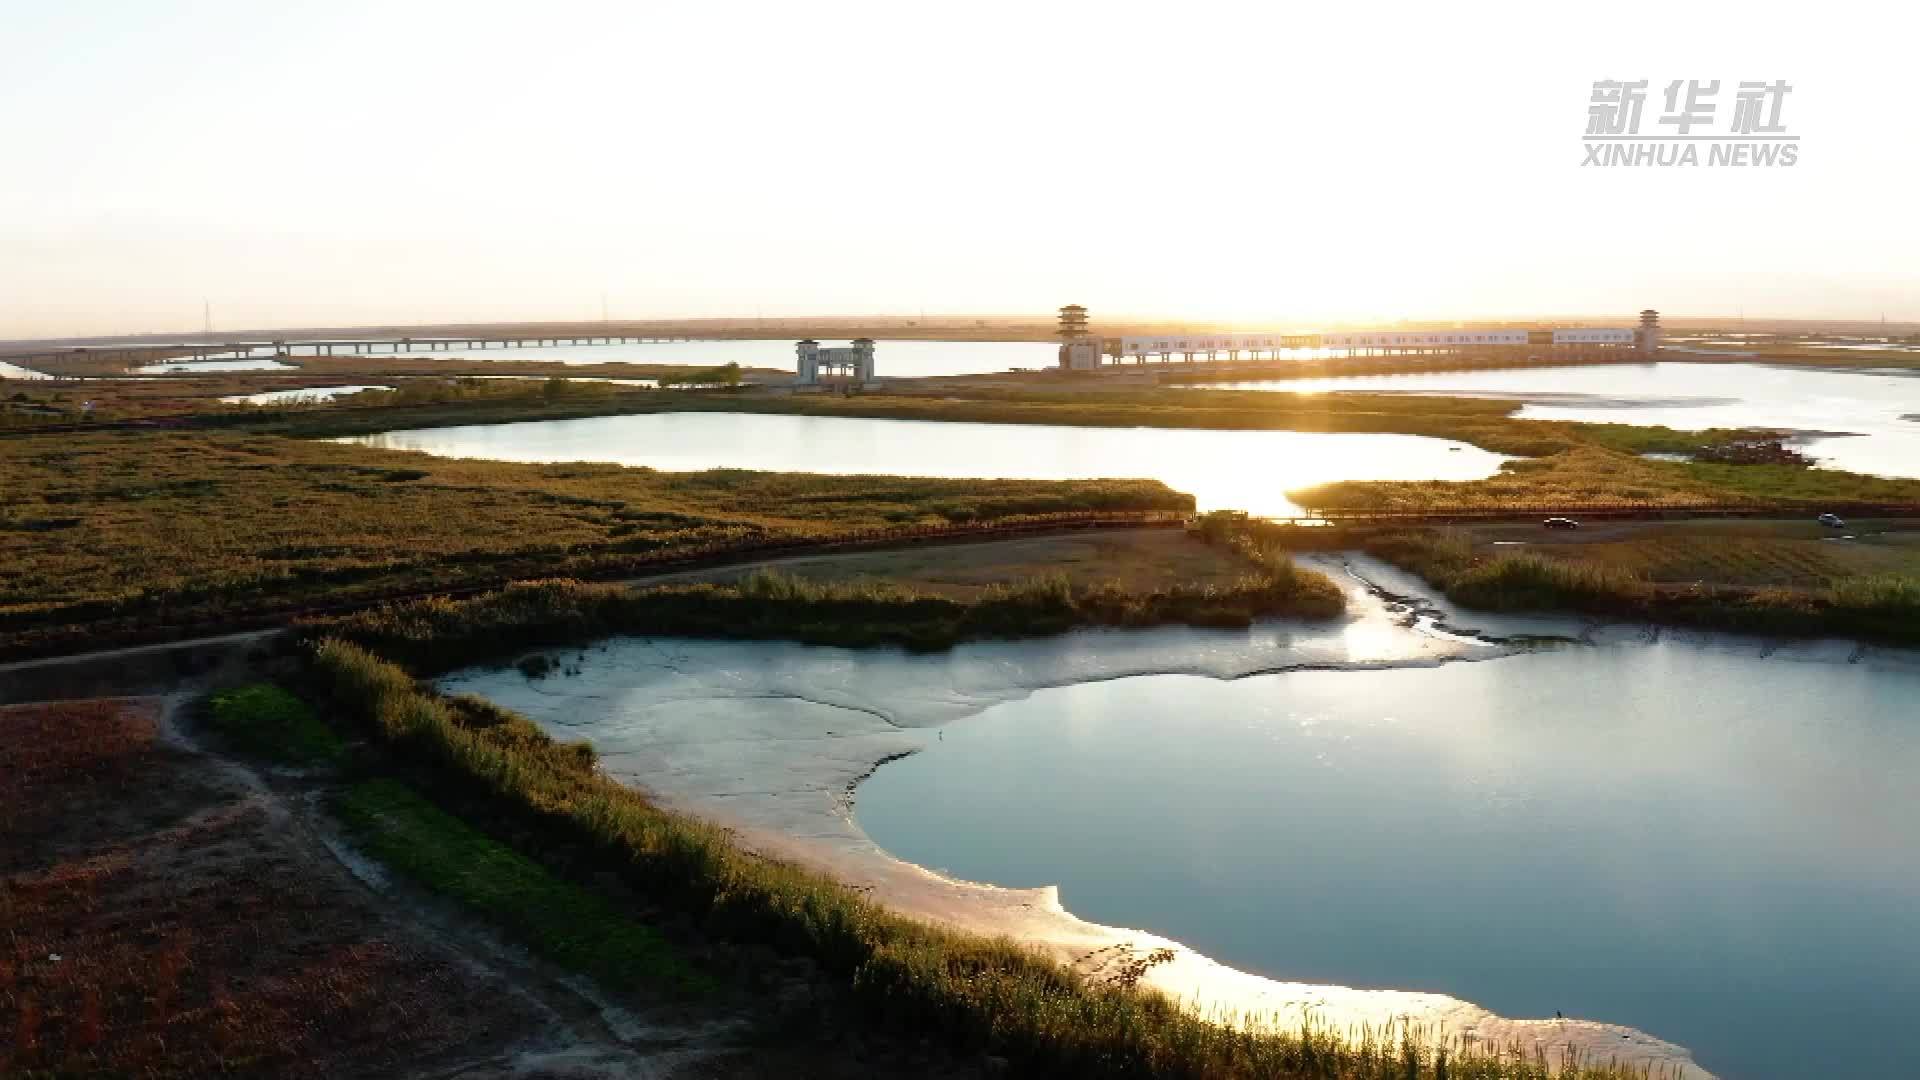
(1685, 133)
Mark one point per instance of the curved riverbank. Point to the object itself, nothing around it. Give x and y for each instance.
(773, 748)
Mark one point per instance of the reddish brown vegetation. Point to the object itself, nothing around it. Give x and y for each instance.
(161, 919)
(57, 758)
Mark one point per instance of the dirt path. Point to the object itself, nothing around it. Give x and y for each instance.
(177, 912)
(137, 652)
(173, 910)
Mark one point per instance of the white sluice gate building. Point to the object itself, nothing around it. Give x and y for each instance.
(854, 363)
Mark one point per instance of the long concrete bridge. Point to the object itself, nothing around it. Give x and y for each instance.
(133, 352)
(1083, 350)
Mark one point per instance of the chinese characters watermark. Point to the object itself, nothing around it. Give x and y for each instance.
(1685, 125)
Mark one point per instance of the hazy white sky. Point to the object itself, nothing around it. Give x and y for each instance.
(346, 162)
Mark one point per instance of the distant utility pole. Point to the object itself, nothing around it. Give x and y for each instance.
(603, 305)
(206, 314)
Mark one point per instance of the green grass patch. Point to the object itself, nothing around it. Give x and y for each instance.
(267, 721)
(560, 921)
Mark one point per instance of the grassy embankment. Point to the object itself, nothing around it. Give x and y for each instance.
(1135, 560)
(562, 921)
(437, 633)
(108, 533)
(981, 995)
(25, 404)
(516, 389)
(1767, 596)
(558, 919)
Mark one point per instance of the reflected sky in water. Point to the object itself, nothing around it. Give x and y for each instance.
(1245, 470)
(256, 363)
(1693, 397)
(305, 393)
(14, 371)
(1705, 845)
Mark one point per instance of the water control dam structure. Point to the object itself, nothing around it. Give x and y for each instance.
(853, 363)
(1082, 350)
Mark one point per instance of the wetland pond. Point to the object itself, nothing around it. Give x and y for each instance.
(1709, 847)
(1861, 411)
(1264, 464)
(1709, 840)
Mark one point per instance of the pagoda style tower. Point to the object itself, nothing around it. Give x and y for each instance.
(1073, 322)
(1079, 349)
(1649, 333)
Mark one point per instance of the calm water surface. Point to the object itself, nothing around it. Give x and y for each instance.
(904, 359)
(892, 358)
(1246, 470)
(14, 371)
(1692, 397)
(306, 393)
(254, 363)
(1720, 849)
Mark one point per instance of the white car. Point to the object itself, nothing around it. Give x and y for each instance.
(1831, 521)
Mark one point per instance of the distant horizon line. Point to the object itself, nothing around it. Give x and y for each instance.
(954, 320)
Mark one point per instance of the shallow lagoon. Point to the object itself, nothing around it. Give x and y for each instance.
(1245, 470)
(1867, 404)
(1709, 839)
(1703, 844)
